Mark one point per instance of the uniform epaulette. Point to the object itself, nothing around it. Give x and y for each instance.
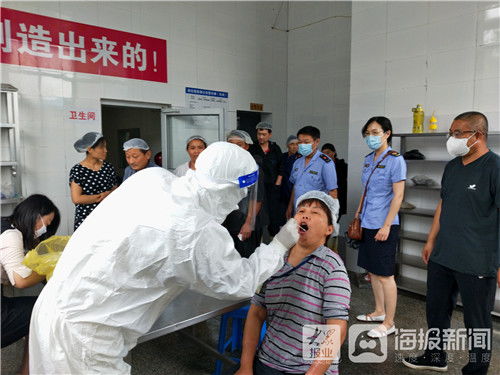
(325, 158)
(394, 153)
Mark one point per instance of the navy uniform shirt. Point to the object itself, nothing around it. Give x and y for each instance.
(379, 194)
(319, 174)
(468, 237)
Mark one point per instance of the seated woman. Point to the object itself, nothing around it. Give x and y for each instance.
(311, 288)
(33, 220)
(194, 147)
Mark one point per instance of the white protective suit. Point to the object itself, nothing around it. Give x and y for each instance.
(152, 238)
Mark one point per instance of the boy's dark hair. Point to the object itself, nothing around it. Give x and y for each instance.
(384, 122)
(324, 207)
(26, 214)
(310, 130)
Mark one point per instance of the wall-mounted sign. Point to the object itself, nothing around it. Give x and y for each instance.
(46, 42)
(256, 107)
(202, 98)
(81, 115)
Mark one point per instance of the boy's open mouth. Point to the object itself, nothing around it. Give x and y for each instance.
(303, 227)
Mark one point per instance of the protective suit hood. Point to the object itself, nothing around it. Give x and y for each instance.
(218, 170)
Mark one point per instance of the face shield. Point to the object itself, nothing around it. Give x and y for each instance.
(249, 206)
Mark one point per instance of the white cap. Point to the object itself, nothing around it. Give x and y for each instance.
(87, 140)
(240, 134)
(135, 143)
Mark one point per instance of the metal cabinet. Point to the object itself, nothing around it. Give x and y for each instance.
(416, 222)
(11, 185)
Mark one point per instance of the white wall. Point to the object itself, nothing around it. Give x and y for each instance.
(226, 46)
(318, 70)
(443, 55)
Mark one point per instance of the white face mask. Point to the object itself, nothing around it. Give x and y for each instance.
(42, 230)
(458, 146)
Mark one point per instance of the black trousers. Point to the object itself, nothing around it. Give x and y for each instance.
(16, 315)
(247, 247)
(478, 298)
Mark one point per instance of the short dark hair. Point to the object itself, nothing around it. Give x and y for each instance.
(476, 120)
(384, 122)
(310, 130)
(97, 143)
(328, 146)
(25, 216)
(324, 207)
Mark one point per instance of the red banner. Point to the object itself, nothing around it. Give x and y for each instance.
(46, 42)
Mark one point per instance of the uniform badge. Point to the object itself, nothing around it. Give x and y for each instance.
(313, 172)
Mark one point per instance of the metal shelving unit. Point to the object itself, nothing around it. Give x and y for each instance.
(404, 281)
(11, 187)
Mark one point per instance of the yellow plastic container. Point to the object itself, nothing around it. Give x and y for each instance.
(418, 119)
(433, 124)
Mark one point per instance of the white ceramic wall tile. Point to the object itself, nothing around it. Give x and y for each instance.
(362, 6)
(441, 10)
(113, 17)
(486, 95)
(365, 105)
(84, 12)
(488, 25)
(451, 66)
(406, 14)
(488, 61)
(183, 24)
(364, 24)
(368, 78)
(369, 50)
(406, 73)
(451, 98)
(454, 33)
(399, 102)
(407, 43)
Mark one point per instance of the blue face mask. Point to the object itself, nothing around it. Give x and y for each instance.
(373, 141)
(305, 149)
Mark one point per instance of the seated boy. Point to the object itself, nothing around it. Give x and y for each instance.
(312, 287)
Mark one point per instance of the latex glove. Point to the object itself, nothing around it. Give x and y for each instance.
(288, 234)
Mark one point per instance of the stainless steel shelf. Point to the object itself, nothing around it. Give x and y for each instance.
(8, 163)
(427, 161)
(439, 134)
(10, 201)
(413, 236)
(423, 187)
(417, 212)
(4, 125)
(412, 260)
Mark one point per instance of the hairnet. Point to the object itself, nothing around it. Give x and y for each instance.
(291, 139)
(87, 140)
(240, 134)
(135, 143)
(264, 125)
(331, 203)
(198, 137)
(223, 162)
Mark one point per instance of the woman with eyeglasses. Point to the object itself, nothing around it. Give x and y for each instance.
(33, 220)
(383, 179)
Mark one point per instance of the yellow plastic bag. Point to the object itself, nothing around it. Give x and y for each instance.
(43, 258)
